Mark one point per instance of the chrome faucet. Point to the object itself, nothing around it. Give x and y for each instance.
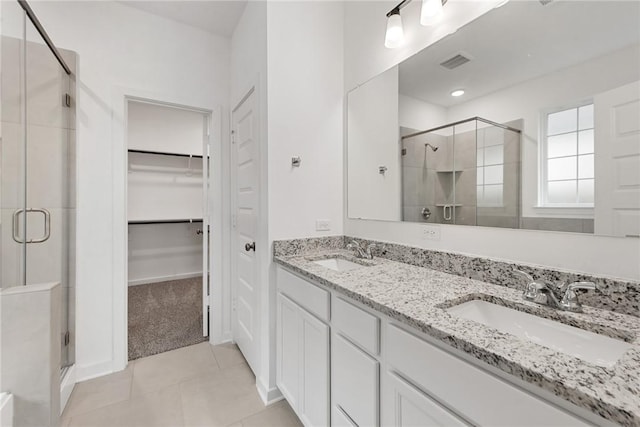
(538, 291)
(543, 294)
(361, 252)
(569, 299)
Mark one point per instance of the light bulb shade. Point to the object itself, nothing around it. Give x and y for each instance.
(395, 33)
(431, 12)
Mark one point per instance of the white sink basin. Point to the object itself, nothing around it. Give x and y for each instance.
(594, 348)
(338, 264)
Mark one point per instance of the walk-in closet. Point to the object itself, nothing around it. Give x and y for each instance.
(167, 183)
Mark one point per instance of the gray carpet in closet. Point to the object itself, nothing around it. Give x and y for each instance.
(164, 316)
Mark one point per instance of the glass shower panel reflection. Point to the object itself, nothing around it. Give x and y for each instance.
(498, 176)
(466, 173)
(465, 164)
(427, 176)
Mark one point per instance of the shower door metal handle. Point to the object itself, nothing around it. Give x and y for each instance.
(446, 212)
(16, 225)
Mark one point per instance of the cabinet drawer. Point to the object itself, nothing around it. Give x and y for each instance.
(355, 382)
(356, 324)
(311, 297)
(474, 394)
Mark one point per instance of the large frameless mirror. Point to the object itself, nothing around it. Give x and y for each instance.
(528, 117)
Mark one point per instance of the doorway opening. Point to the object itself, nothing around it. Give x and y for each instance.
(168, 242)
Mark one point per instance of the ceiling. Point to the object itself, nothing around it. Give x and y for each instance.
(518, 42)
(218, 17)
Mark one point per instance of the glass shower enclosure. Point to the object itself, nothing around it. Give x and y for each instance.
(38, 163)
(466, 173)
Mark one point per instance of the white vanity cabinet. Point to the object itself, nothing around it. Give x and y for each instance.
(383, 373)
(302, 348)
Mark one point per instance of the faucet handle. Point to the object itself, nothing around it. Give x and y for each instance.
(570, 300)
(370, 246)
(534, 288)
(570, 287)
(523, 275)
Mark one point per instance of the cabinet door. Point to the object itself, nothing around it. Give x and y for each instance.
(406, 406)
(355, 378)
(314, 375)
(288, 349)
(339, 418)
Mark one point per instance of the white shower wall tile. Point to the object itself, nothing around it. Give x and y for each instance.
(48, 161)
(47, 261)
(47, 84)
(12, 170)
(10, 261)
(11, 54)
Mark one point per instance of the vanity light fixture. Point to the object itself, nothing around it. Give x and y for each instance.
(395, 32)
(430, 13)
(457, 92)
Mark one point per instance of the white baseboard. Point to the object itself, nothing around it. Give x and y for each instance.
(147, 280)
(223, 340)
(66, 386)
(269, 396)
(87, 372)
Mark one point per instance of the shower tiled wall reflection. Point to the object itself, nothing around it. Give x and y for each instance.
(468, 174)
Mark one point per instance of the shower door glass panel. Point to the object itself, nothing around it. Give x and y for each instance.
(12, 146)
(37, 164)
(50, 160)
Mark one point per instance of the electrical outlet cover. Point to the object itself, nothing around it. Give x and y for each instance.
(431, 232)
(323, 225)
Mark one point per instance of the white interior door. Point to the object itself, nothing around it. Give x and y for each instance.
(617, 148)
(245, 198)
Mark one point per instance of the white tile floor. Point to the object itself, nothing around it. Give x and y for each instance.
(199, 385)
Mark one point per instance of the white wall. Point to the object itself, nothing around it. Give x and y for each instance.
(365, 57)
(305, 117)
(120, 51)
(416, 114)
(161, 252)
(166, 129)
(305, 114)
(372, 133)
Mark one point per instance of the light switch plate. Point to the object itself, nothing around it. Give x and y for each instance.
(431, 232)
(323, 225)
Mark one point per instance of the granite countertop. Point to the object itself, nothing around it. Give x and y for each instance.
(418, 297)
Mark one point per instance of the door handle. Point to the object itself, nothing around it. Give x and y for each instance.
(16, 225)
(250, 246)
